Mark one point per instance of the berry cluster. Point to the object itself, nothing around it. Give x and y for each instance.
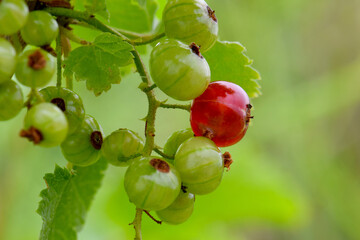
(219, 116)
(191, 162)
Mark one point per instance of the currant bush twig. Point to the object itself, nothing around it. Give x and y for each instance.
(58, 60)
(149, 126)
(158, 151)
(137, 223)
(85, 17)
(149, 88)
(153, 105)
(174, 106)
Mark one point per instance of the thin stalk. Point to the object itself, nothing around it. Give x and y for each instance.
(59, 60)
(149, 39)
(158, 151)
(15, 39)
(69, 82)
(34, 93)
(72, 37)
(176, 106)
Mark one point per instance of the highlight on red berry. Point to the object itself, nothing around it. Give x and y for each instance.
(221, 113)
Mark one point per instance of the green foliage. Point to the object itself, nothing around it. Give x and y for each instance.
(133, 15)
(67, 198)
(98, 64)
(228, 62)
(96, 6)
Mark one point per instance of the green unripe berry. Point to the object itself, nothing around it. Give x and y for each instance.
(11, 100)
(179, 70)
(191, 21)
(69, 102)
(13, 16)
(45, 125)
(151, 183)
(35, 68)
(175, 140)
(180, 210)
(120, 146)
(7, 60)
(82, 148)
(200, 164)
(40, 29)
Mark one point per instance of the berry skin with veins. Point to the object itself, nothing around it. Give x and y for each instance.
(180, 210)
(45, 125)
(151, 183)
(200, 164)
(7, 60)
(221, 113)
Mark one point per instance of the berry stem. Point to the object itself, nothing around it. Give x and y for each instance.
(72, 37)
(178, 106)
(18, 43)
(34, 93)
(148, 39)
(49, 49)
(152, 218)
(137, 36)
(58, 59)
(69, 82)
(158, 151)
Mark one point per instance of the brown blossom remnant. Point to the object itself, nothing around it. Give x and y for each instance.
(208, 134)
(60, 103)
(36, 60)
(184, 188)
(211, 13)
(32, 134)
(227, 160)
(248, 114)
(96, 139)
(196, 49)
(160, 165)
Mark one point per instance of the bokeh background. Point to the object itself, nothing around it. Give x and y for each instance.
(296, 173)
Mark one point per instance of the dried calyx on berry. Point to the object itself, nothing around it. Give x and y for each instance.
(227, 160)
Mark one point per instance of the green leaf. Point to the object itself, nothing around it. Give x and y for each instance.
(67, 199)
(228, 62)
(98, 64)
(133, 15)
(96, 6)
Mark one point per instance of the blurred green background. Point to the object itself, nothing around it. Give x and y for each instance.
(296, 173)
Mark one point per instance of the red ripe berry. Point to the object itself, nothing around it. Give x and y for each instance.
(221, 113)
